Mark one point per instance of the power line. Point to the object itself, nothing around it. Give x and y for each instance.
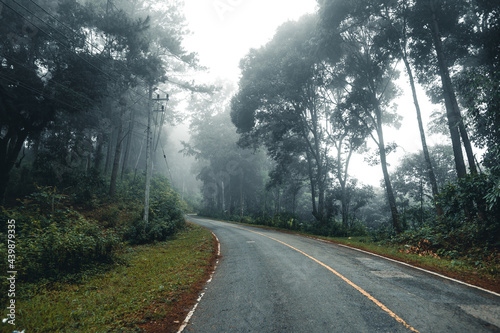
(51, 80)
(64, 44)
(69, 28)
(49, 35)
(26, 86)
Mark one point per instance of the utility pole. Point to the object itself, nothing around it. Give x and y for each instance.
(149, 147)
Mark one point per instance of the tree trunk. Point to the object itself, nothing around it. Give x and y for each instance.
(125, 162)
(388, 186)
(10, 146)
(430, 171)
(452, 111)
(109, 153)
(98, 151)
(116, 160)
(321, 199)
(342, 177)
(313, 186)
(343, 192)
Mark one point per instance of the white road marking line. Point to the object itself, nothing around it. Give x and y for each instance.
(190, 314)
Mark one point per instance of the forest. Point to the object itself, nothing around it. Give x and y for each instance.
(91, 91)
(324, 89)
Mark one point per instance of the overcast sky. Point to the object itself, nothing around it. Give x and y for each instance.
(223, 31)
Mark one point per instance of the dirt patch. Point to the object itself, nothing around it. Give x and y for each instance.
(183, 302)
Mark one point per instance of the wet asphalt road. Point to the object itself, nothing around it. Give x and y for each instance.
(267, 281)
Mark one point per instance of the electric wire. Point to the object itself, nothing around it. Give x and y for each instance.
(62, 43)
(26, 86)
(51, 36)
(51, 80)
(183, 85)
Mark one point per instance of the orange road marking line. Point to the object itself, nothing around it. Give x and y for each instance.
(349, 282)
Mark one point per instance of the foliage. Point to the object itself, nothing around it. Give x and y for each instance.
(465, 206)
(88, 187)
(278, 106)
(150, 283)
(464, 231)
(166, 215)
(230, 175)
(53, 239)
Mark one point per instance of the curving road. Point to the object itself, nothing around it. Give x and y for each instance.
(268, 281)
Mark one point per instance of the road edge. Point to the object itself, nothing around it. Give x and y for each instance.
(202, 293)
(367, 252)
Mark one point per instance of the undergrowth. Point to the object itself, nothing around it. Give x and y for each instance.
(144, 287)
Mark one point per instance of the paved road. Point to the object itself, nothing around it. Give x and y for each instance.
(268, 281)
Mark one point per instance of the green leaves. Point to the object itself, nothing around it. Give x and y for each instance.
(54, 240)
(166, 215)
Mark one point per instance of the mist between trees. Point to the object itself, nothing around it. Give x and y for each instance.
(83, 97)
(324, 87)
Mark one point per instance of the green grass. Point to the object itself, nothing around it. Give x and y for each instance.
(144, 289)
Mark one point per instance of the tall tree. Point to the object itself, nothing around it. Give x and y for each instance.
(345, 132)
(396, 36)
(369, 73)
(278, 104)
(438, 42)
(36, 54)
(231, 176)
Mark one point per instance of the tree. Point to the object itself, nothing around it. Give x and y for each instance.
(345, 131)
(439, 41)
(278, 105)
(477, 83)
(410, 177)
(353, 198)
(231, 176)
(395, 37)
(35, 54)
(369, 73)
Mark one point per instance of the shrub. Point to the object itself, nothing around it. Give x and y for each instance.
(88, 187)
(53, 240)
(469, 217)
(469, 227)
(140, 232)
(166, 215)
(246, 219)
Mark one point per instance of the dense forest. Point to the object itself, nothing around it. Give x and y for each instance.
(324, 89)
(91, 90)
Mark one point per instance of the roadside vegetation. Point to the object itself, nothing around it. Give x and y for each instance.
(149, 288)
(80, 137)
(94, 264)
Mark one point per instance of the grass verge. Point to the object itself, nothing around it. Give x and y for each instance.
(151, 291)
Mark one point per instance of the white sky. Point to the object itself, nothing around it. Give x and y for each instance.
(223, 31)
